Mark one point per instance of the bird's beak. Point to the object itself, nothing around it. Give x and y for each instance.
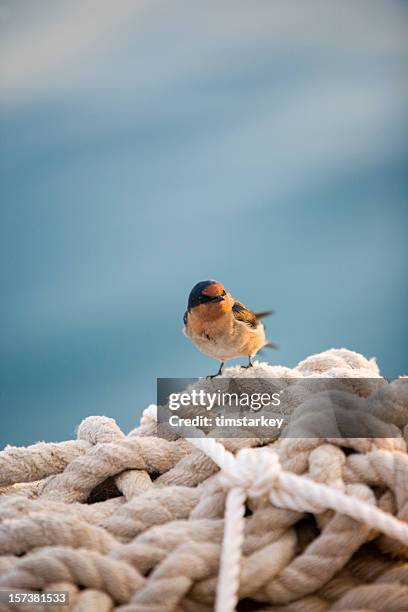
(218, 298)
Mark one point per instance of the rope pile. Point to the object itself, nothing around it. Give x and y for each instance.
(139, 523)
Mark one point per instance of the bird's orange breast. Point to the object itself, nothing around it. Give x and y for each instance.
(205, 315)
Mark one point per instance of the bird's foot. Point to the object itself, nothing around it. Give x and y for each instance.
(211, 376)
(246, 367)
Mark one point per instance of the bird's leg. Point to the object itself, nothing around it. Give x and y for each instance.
(210, 376)
(250, 364)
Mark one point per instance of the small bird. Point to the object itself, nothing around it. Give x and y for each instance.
(222, 327)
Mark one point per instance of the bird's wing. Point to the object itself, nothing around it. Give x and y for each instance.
(244, 315)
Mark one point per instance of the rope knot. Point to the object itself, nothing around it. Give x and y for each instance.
(255, 470)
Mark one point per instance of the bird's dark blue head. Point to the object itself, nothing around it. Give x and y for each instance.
(206, 292)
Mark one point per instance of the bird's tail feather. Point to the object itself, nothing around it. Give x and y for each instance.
(263, 314)
(271, 345)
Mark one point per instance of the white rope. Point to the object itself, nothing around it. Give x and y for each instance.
(228, 578)
(254, 473)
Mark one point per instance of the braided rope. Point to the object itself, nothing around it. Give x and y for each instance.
(255, 473)
(134, 522)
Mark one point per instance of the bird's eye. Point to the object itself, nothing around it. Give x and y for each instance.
(203, 299)
(224, 292)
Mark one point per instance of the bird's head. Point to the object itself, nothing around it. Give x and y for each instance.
(209, 296)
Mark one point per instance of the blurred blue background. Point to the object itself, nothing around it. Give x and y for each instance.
(149, 145)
